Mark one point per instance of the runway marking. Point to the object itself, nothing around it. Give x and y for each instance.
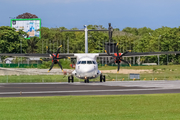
(78, 91)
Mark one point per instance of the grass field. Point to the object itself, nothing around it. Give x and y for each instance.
(164, 72)
(166, 67)
(120, 107)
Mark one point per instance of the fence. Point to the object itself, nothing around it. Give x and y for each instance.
(19, 65)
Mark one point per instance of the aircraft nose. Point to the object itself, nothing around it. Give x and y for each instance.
(86, 68)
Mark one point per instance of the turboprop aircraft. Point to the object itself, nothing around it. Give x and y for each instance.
(86, 67)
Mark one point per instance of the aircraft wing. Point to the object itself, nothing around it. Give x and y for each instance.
(71, 55)
(151, 53)
(34, 55)
(132, 54)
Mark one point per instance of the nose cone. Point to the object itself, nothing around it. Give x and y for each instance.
(86, 68)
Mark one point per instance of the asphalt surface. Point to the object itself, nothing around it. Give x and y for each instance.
(107, 88)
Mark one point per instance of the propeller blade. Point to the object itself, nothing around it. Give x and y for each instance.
(62, 57)
(51, 66)
(125, 53)
(46, 59)
(60, 66)
(107, 52)
(117, 49)
(126, 62)
(118, 67)
(58, 50)
(49, 52)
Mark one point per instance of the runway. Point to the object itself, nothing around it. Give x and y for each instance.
(107, 88)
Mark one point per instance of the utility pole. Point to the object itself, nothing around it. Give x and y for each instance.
(68, 45)
(21, 50)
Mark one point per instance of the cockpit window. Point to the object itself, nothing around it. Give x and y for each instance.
(79, 62)
(89, 62)
(94, 62)
(83, 62)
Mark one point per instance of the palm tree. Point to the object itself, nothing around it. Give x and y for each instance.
(32, 44)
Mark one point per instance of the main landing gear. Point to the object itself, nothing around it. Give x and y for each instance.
(102, 78)
(70, 79)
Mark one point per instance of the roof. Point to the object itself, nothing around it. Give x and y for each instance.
(8, 59)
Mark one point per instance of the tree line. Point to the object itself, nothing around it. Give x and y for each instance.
(135, 39)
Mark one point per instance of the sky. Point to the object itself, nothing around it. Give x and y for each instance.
(76, 13)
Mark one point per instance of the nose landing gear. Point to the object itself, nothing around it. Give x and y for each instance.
(102, 78)
(70, 79)
(86, 80)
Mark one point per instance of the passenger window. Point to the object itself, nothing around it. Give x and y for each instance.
(94, 62)
(83, 62)
(89, 62)
(79, 62)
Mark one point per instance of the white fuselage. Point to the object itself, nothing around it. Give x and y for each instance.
(86, 66)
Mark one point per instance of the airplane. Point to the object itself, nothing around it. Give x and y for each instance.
(87, 67)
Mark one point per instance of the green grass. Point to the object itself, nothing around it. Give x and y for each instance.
(168, 75)
(120, 107)
(37, 78)
(34, 78)
(170, 72)
(141, 67)
(162, 72)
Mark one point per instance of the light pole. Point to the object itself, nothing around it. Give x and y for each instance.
(158, 48)
(21, 50)
(68, 45)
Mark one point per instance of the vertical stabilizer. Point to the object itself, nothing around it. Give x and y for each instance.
(86, 38)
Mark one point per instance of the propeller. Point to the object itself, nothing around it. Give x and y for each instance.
(118, 58)
(55, 58)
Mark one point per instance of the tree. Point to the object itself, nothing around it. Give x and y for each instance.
(10, 40)
(32, 44)
(26, 15)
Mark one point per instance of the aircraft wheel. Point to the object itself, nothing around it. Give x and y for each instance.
(104, 78)
(101, 78)
(72, 79)
(69, 79)
(87, 80)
